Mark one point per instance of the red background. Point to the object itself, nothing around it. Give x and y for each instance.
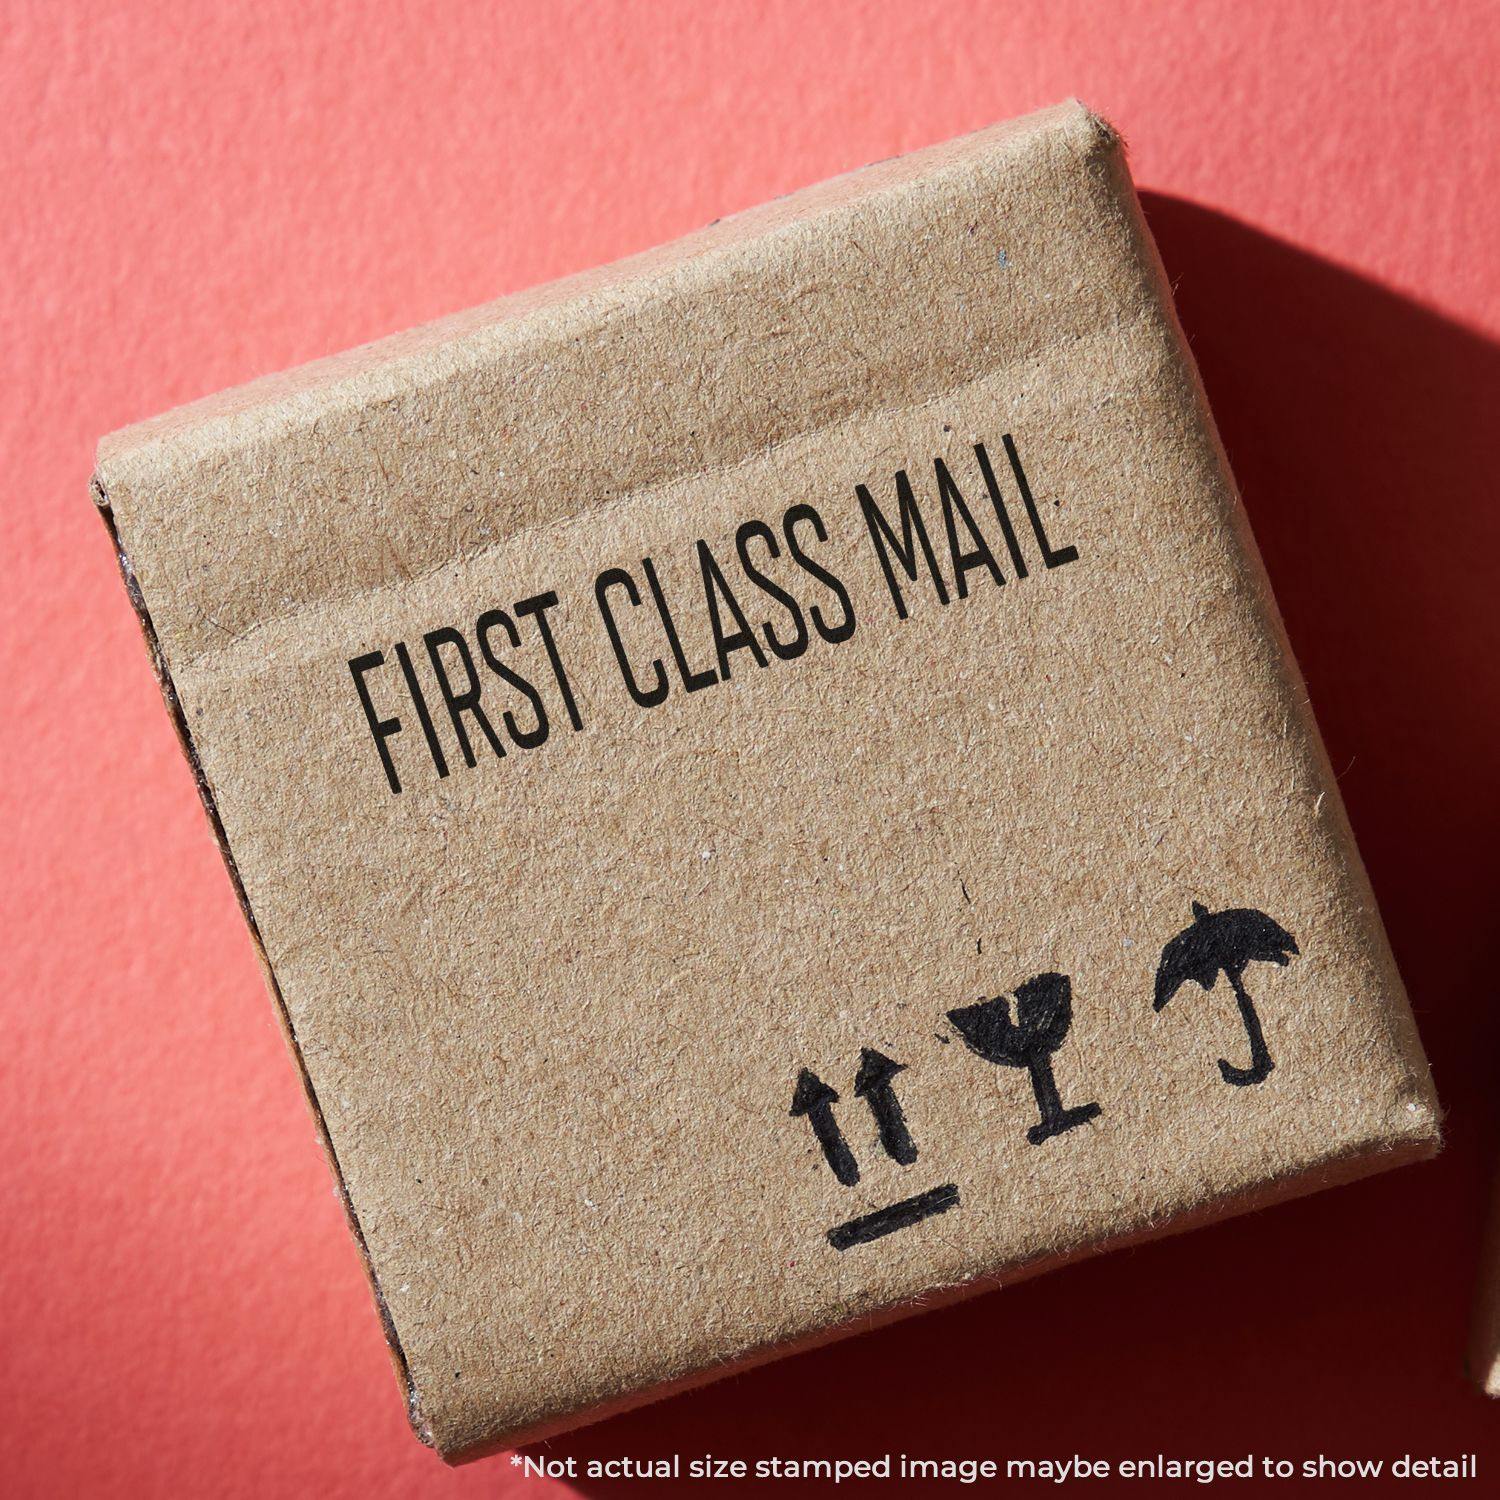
(196, 195)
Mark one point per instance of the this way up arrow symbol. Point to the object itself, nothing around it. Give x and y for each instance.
(815, 1099)
(873, 1084)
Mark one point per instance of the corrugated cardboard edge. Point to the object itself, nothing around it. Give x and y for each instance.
(205, 792)
(1358, 1161)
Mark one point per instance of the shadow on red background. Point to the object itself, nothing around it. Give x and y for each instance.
(1361, 429)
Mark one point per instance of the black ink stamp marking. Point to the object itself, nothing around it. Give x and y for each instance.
(1227, 942)
(896, 1216)
(1044, 1014)
(873, 1084)
(815, 1099)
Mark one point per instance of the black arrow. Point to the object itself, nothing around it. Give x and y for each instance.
(815, 1099)
(873, 1084)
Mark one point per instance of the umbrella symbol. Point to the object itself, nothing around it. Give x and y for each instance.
(1044, 1012)
(1227, 942)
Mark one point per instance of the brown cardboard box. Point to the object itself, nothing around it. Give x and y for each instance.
(639, 712)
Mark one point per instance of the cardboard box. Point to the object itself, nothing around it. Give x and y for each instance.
(1484, 1331)
(769, 783)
